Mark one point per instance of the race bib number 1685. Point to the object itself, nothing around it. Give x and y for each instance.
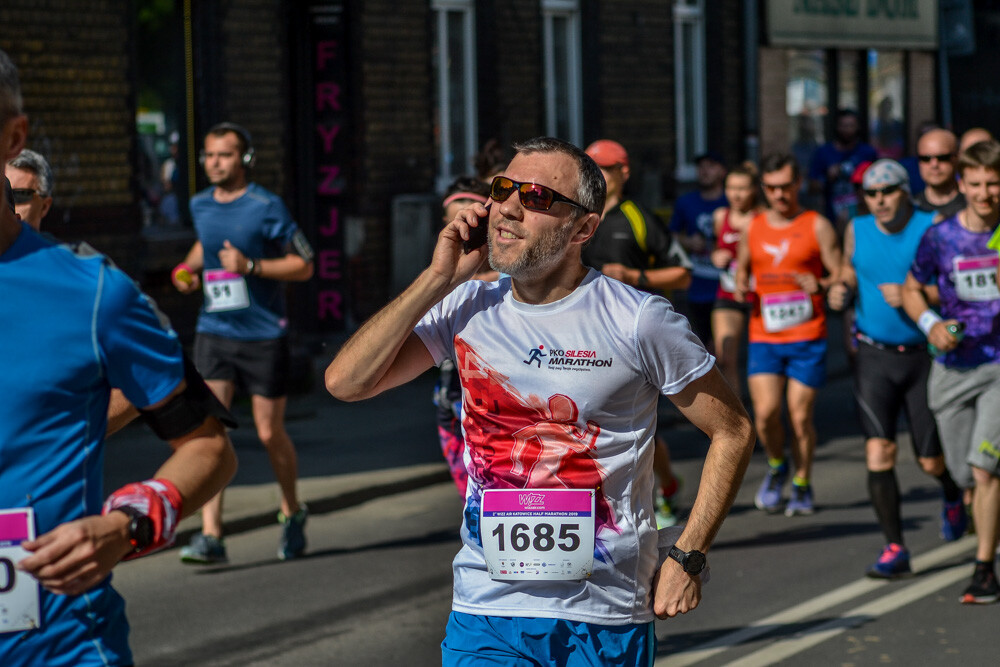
(538, 533)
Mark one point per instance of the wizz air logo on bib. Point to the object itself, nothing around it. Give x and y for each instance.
(531, 500)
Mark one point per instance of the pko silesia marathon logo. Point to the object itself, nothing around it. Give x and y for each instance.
(577, 360)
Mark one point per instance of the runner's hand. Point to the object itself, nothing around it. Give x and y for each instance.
(941, 338)
(837, 296)
(76, 556)
(450, 260)
(892, 293)
(616, 271)
(807, 282)
(674, 590)
(721, 257)
(232, 258)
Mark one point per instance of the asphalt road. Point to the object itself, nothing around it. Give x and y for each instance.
(375, 588)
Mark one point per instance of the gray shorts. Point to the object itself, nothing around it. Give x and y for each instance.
(965, 403)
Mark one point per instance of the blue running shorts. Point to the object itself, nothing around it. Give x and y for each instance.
(804, 361)
(528, 642)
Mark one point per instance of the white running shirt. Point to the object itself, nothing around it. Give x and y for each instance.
(578, 381)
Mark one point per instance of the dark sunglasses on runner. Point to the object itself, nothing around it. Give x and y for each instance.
(23, 195)
(943, 157)
(533, 197)
(887, 190)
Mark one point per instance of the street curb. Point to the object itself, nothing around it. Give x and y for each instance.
(325, 504)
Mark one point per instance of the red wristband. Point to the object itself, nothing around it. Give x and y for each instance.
(182, 272)
(158, 499)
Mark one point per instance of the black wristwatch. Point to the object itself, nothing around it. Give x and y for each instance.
(692, 561)
(140, 527)
(643, 281)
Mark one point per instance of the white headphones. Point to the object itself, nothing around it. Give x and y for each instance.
(249, 158)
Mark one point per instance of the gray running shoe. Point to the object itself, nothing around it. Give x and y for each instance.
(204, 550)
(293, 534)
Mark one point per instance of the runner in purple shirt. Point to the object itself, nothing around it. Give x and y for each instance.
(964, 386)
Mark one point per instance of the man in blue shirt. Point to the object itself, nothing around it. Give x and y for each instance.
(833, 165)
(695, 230)
(248, 247)
(74, 326)
(892, 364)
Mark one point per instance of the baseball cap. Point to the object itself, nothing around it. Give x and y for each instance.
(885, 172)
(859, 172)
(9, 193)
(714, 156)
(607, 153)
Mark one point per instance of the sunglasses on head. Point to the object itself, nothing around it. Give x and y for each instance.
(887, 190)
(533, 197)
(23, 195)
(943, 157)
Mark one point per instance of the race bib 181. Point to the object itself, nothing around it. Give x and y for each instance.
(19, 609)
(538, 533)
(976, 278)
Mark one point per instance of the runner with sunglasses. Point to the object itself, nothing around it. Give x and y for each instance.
(937, 152)
(561, 368)
(892, 364)
(964, 384)
(786, 249)
(31, 179)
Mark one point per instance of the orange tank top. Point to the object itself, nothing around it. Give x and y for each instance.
(783, 312)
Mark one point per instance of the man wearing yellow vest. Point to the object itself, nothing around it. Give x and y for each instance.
(633, 246)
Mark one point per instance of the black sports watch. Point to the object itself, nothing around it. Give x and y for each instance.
(692, 561)
(140, 527)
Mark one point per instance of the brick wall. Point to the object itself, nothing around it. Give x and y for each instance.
(76, 79)
(256, 92)
(636, 87)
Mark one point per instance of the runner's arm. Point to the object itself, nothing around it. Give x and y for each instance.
(839, 293)
(78, 555)
(916, 304)
(829, 251)
(743, 268)
(710, 404)
(120, 412)
(384, 352)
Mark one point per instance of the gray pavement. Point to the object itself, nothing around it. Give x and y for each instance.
(350, 453)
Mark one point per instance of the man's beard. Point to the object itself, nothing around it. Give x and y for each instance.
(541, 254)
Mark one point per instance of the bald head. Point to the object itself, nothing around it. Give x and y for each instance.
(937, 151)
(973, 136)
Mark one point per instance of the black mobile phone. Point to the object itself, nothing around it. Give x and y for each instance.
(478, 234)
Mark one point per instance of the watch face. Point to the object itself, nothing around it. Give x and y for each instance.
(695, 562)
(141, 530)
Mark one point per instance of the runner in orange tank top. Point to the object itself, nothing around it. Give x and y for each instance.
(786, 250)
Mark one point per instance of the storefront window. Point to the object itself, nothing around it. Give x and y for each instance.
(561, 35)
(161, 119)
(689, 84)
(806, 104)
(886, 95)
(455, 65)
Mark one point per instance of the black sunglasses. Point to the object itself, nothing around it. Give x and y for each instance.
(23, 195)
(886, 191)
(533, 197)
(943, 157)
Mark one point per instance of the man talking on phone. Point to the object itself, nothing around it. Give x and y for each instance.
(560, 549)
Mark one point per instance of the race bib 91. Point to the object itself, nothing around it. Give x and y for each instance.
(19, 607)
(541, 534)
(225, 291)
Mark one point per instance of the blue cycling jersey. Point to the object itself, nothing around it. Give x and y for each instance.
(73, 327)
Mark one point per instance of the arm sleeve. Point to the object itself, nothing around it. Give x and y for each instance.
(668, 351)
(140, 351)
